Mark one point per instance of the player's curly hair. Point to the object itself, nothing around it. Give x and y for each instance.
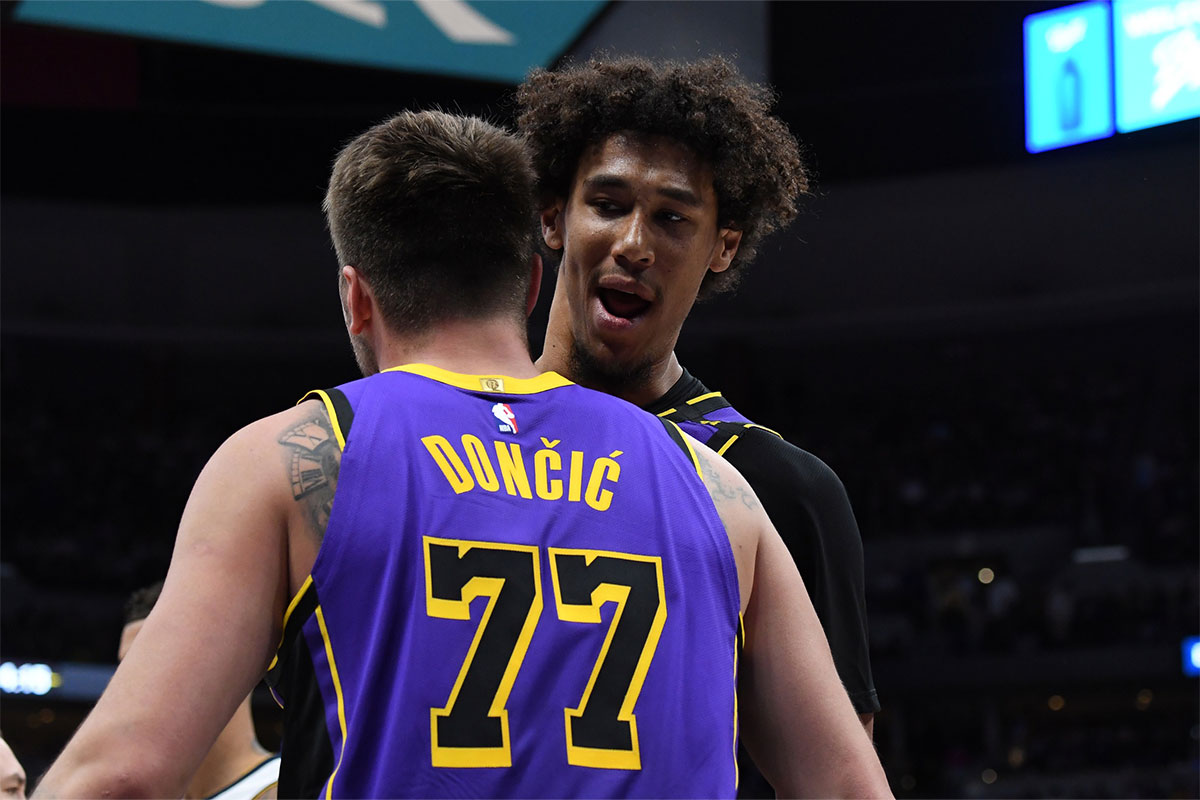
(707, 105)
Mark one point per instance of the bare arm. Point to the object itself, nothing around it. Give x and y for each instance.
(209, 638)
(796, 718)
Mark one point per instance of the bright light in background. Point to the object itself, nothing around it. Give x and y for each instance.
(986, 575)
(1191, 655)
(989, 776)
(1056, 702)
(1157, 57)
(26, 679)
(1068, 76)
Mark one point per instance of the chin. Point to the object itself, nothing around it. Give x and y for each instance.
(601, 368)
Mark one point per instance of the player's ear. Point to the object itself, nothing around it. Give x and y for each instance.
(535, 284)
(358, 304)
(728, 240)
(552, 225)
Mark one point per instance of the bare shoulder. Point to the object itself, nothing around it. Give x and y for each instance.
(741, 513)
(731, 493)
(312, 459)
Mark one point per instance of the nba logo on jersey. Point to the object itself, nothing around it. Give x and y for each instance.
(508, 420)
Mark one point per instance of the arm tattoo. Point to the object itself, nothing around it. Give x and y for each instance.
(313, 459)
(721, 490)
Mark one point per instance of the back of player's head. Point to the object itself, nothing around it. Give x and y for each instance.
(706, 105)
(139, 604)
(437, 213)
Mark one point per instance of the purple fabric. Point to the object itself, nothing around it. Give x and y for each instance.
(703, 432)
(395, 661)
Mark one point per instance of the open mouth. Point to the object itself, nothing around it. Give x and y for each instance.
(624, 305)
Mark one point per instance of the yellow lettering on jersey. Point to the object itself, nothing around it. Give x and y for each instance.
(485, 476)
(576, 476)
(577, 481)
(545, 461)
(449, 463)
(512, 467)
(605, 469)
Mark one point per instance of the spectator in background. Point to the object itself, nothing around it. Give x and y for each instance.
(12, 776)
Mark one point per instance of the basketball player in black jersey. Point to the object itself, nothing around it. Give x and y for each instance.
(659, 181)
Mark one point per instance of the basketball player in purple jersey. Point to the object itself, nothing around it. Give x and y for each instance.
(482, 579)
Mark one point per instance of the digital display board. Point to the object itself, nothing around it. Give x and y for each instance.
(1157, 61)
(1068, 76)
(493, 41)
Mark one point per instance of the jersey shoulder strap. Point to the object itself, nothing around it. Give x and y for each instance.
(338, 408)
(728, 433)
(682, 443)
(697, 408)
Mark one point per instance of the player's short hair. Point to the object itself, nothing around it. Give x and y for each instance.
(438, 214)
(139, 604)
(707, 105)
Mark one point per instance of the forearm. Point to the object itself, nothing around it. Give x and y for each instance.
(84, 770)
(799, 723)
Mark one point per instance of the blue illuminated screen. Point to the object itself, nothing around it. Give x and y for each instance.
(1157, 49)
(1068, 73)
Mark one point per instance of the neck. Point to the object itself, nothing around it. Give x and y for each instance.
(640, 387)
(235, 753)
(475, 347)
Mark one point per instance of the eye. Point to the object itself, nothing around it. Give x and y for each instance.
(605, 206)
(666, 215)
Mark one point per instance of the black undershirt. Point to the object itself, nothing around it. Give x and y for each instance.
(809, 507)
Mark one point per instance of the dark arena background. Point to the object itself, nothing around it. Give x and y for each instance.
(995, 349)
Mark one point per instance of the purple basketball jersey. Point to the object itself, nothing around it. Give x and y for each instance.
(524, 590)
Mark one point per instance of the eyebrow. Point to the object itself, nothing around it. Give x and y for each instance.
(678, 194)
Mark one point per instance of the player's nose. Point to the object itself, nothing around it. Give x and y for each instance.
(632, 247)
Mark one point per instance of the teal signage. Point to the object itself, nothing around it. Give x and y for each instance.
(498, 41)
(1157, 61)
(1068, 76)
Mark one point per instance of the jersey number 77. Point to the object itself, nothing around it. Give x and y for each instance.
(472, 729)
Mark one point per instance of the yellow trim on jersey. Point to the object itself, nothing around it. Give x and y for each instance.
(692, 453)
(691, 402)
(737, 777)
(341, 703)
(488, 383)
(265, 789)
(304, 587)
(601, 758)
(735, 436)
(695, 400)
(762, 427)
(333, 417)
